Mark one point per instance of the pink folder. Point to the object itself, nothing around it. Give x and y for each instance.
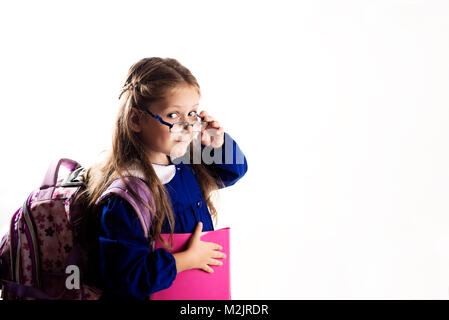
(197, 284)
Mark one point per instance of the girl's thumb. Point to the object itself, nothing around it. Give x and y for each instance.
(198, 229)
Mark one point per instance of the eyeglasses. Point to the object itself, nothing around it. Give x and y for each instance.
(178, 127)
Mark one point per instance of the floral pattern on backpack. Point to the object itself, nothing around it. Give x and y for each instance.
(41, 242)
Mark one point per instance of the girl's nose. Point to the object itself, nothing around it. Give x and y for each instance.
(189, 128)
(186, 128)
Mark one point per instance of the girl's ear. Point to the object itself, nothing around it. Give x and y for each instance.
(135, 120)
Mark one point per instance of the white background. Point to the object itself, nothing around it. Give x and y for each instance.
(341, 108)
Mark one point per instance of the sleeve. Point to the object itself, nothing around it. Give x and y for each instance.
(228, 162)
(129, 270)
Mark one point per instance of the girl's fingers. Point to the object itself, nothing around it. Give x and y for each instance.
(220, 130)
(214, 262)
(205, 116)
(199, 228)
(197, 232)
(205, 137)
(208, 269)
(215, 246)
(213, 125)
(216, 251)
(208, 118)
(214, 137)
(219, 255)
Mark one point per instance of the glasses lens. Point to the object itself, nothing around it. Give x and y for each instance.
(177, 127)
(198, 126)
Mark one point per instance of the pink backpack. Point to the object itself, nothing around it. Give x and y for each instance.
(40, 256)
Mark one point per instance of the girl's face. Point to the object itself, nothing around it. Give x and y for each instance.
(180, 105)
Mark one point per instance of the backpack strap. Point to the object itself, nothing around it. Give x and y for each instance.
(49, 183)
(118, 187)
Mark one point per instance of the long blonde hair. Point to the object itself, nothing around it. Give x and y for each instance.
(147, 81)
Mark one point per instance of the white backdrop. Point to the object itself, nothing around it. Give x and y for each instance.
(341, 108)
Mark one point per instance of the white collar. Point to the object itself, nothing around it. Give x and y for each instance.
(164, 172)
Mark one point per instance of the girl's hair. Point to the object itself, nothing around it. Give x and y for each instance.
(149, 80)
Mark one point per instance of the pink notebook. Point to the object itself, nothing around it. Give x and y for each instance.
(197, 284)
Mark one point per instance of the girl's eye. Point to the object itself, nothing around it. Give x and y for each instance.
(174, 115)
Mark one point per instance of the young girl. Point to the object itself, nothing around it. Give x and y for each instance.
(157, 122)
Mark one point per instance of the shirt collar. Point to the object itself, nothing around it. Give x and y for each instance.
(164, 172)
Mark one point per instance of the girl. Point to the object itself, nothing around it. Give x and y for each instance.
(158, 121)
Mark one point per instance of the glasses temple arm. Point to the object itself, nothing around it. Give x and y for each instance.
(154, 116)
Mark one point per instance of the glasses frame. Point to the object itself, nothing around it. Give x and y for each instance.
(170, 125)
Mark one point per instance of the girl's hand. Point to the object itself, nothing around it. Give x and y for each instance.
(203, 253)
(213, 134)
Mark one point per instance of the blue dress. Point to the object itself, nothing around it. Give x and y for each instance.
(124, 263)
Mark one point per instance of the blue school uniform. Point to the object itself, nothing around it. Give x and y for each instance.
(127, 268)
